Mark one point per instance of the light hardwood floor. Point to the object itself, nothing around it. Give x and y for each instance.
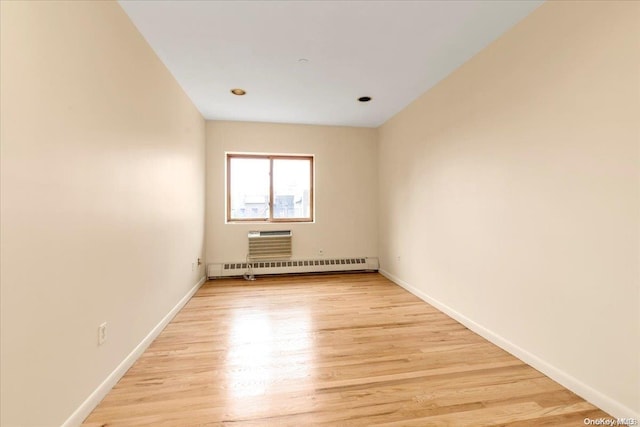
(335, 350)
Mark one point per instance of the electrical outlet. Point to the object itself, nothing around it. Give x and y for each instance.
(320, 252)
(102, 333)
(193, 266)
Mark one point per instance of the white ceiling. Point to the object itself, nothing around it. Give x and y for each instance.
(392, 51)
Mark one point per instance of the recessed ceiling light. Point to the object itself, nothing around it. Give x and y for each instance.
(364, 99)
(238, 91)
(303, 60)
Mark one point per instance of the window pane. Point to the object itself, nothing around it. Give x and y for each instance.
(249, 186)
(292, 188)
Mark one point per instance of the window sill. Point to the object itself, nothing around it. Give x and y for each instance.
(280, 222)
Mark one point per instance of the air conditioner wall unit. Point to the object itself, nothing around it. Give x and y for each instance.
(269, 244)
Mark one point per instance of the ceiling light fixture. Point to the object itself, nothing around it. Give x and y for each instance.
(238, 91)
(364, 99)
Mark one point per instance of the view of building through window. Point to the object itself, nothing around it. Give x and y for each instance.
(269, 188)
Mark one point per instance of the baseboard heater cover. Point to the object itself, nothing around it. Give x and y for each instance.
(230, 269)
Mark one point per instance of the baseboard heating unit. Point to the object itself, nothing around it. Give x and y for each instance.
(320, 265)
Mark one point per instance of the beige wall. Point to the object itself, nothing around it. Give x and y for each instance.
(510, 194)
(345, 188)
(102, 201)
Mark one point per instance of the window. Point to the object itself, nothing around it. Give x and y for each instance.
(270, 188)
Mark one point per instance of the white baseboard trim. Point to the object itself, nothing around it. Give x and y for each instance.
(99, 393)
(602, 401)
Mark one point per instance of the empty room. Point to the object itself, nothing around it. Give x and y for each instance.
(337, 213)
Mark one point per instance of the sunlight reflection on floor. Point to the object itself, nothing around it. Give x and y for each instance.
(258, 344)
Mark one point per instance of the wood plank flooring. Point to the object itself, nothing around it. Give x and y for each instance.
(333, 350)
